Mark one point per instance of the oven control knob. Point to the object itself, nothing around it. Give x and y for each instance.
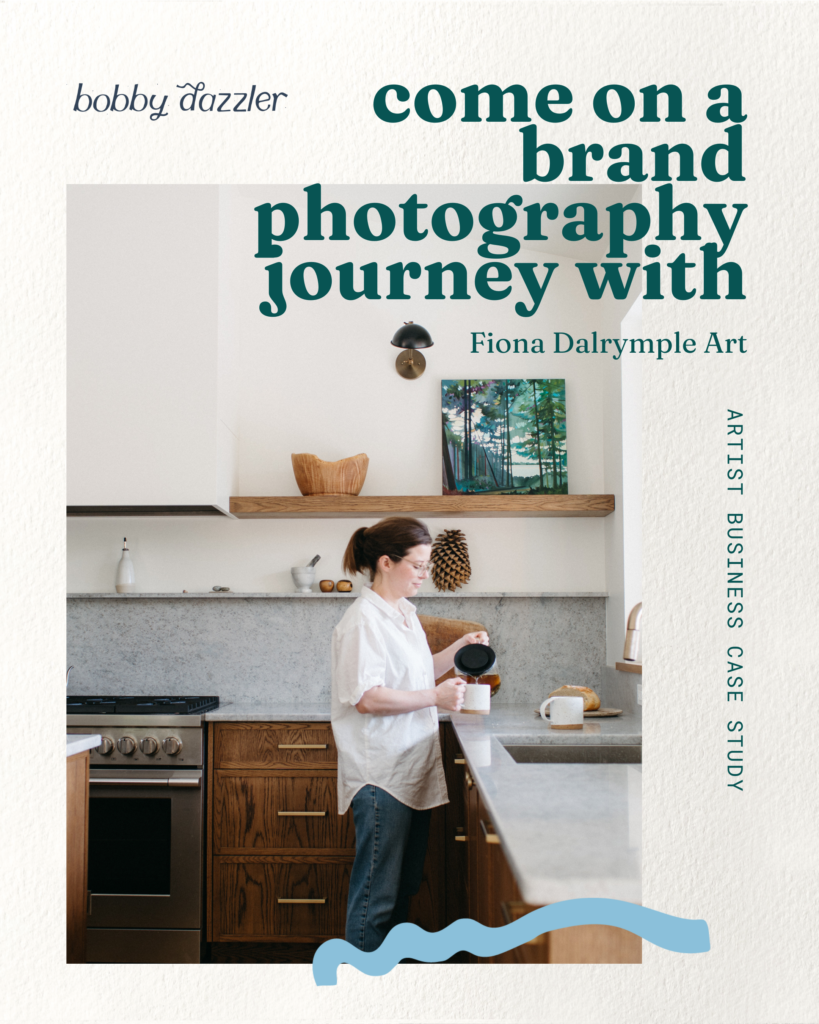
(106, 746)
(149, 745)
(172, 745)
(126, 745)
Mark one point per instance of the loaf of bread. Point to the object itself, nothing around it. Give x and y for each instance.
(591, 702)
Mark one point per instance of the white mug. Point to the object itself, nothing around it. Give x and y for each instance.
(566, 712)
(476, 698)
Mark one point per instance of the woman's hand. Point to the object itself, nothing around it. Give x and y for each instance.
(449, 695)
(474, 638)
(445, 659)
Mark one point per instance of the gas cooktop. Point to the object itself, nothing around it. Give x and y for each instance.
(120, 705)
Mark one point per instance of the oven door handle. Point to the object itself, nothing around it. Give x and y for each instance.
(173, 782)
(128, 782)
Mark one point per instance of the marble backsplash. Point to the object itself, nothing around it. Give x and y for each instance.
(248, 650)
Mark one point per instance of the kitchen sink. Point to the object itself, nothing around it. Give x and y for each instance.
(577, 753)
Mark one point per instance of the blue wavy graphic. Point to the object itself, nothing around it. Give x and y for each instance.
(678, 934)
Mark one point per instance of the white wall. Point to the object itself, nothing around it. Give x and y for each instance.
(254, 556)
(321, 379)
(623, 455)
(632, 392)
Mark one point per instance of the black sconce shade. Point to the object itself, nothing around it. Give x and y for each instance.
(412, 336)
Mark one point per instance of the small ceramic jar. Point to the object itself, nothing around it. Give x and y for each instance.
(326, 586)
(344, 586)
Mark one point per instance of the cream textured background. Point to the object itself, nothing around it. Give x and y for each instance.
(746, 863)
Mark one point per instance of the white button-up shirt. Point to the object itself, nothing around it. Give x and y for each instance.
(378, 645)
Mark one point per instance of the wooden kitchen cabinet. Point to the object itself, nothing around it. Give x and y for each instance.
(279, 812)
(456, 903)
(279, 855)
(280, 899)
(593, 944)
(77, 855)
(263, 746)
(495, 883)
(583, 944)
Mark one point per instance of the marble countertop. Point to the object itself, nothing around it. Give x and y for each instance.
(512, 723)
(518, 723)
(276, 711)
(269, 711)
(568, 831)
(78, 742)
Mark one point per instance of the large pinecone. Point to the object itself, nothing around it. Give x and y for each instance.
(450, 560)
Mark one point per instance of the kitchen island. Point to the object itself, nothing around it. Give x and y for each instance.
(567, 830)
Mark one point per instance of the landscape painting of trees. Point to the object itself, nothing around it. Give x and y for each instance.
(504, 437)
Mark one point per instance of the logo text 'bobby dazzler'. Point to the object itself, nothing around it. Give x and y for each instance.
(120, 101)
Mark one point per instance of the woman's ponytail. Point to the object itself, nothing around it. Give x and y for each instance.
(355, 558)
(392, 537)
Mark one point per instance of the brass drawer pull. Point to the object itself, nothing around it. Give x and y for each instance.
(302, 746)
(460, 760)
(300, 901)
(470, 782)
(302, 814)
(489, 833)
(459, 836)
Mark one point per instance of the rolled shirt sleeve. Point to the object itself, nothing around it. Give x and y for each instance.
(359, 662)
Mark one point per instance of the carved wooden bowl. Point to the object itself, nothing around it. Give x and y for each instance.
(315, 476)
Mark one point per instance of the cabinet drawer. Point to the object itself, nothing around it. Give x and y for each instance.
(279, 812)
(259, 745)
(272, 898)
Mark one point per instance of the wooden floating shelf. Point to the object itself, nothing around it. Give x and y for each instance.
(432, 506)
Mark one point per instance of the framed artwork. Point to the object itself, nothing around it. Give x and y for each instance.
(504, 437)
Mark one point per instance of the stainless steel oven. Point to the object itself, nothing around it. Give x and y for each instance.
(145, 866)
(145, 838)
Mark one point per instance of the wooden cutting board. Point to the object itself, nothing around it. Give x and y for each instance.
(443, 632)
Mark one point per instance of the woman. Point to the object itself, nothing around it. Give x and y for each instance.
(385, 723)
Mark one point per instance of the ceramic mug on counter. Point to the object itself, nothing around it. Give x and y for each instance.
(565, 712)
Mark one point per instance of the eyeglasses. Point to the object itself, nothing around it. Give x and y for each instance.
(424, 567)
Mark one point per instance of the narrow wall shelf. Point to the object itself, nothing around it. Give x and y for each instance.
(433, 506)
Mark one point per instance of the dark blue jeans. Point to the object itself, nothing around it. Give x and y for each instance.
(390, 848)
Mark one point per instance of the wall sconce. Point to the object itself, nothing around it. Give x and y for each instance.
(410, 363)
